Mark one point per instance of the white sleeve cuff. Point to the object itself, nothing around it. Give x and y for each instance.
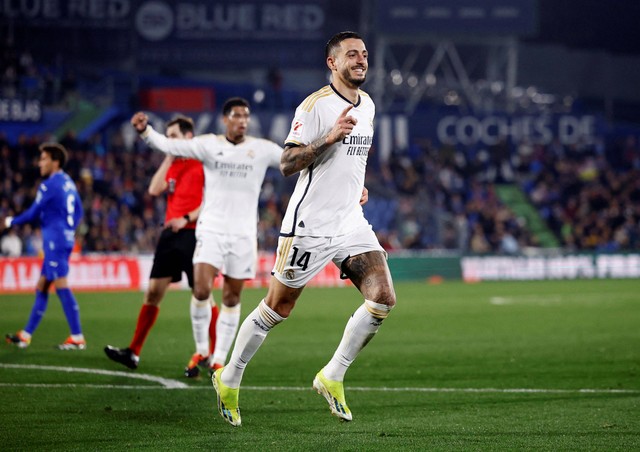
(8, 221)
(145, 132)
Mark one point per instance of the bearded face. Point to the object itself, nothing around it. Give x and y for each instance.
(355, 76)
(351, 62)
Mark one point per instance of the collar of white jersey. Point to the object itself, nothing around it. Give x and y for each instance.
(344, 98)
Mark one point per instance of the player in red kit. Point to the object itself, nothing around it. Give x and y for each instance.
(183, 181)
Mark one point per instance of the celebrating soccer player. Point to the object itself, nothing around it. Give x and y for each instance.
(328, 145)
(234, 168)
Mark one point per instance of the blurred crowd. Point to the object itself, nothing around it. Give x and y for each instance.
(120, 215)
(21, 77)
(436, 198)
(588, 195)
(424, 197)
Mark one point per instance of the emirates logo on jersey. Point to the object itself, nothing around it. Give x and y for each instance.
(296, 130)
(358, 145)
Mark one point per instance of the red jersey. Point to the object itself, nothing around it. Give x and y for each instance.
(185, 179)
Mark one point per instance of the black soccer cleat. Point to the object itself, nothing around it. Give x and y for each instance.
(192, 370)
(123, 356)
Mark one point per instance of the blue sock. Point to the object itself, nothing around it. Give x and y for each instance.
(39, 307)
(71, 309)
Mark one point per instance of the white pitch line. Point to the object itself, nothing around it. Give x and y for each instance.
(546, 299)
(482, 390)
(167, 383)
(360, 389)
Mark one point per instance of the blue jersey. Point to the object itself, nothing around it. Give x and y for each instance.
(59, 209)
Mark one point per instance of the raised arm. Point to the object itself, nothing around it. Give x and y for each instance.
(193, 148)
(297, 158)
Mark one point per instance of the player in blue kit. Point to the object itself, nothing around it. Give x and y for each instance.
(59, 210)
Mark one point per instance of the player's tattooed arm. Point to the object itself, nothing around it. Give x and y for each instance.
(297, 158)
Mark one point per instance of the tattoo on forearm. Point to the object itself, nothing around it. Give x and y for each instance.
(297, 159)
(318, 146)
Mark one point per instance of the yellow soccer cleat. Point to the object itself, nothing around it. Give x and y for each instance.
(333, 391)
(227, 400)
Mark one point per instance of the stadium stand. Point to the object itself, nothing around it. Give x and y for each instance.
(502, 200)
(430, 202)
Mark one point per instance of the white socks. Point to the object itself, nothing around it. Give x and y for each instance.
(360, 329)
(251, 335)
(226, 328)
(200, 320)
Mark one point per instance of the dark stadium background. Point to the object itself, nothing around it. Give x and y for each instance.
(464, 362)
(559, 77)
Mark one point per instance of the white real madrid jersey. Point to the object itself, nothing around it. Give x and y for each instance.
(233, 175)
(326, 199)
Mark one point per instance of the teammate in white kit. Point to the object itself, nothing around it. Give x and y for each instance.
(328, 144)
(234, 168)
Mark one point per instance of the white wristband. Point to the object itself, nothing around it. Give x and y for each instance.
(8, 221)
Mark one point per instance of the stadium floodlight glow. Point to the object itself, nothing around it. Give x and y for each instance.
(451, 98)
(412, 81)
(517, 91)
(541, 98)
(497, 87)
(396, 77)
(431, 79)
(258, 96)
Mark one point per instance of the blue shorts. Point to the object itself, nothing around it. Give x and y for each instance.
(56, 264)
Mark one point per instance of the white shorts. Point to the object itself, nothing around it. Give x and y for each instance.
(300, 258)
(234, 255)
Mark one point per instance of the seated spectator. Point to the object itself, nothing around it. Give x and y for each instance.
(10, 244)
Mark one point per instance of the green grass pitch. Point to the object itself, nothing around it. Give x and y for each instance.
(488, 366)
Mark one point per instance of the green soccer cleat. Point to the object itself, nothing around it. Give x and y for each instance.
(227, 400)
(333, 391)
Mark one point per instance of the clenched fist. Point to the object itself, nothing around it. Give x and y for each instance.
(139, 121)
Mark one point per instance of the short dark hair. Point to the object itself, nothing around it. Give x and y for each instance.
(234, 102)
(335, 41)
(185, 124)
(57, 152)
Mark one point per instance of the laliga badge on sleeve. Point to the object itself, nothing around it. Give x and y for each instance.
(296, 130)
